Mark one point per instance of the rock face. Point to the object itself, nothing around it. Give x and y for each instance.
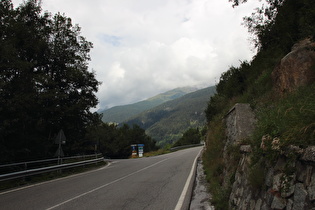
(281, 189)
(309, 154)
(240, 123)
(296, 69)
(288, 184)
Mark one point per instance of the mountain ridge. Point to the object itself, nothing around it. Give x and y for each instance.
(118, 114)
(166, 122)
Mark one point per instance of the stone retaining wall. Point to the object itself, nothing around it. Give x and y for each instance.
(289, 184)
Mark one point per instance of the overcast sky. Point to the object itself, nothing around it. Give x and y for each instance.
(146, 47)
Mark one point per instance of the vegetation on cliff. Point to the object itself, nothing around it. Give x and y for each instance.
(290, 116)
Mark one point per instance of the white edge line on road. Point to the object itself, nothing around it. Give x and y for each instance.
(185, 189)
(53, 180)
(100, 187)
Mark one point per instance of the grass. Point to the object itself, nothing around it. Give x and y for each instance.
(214, 164)
(292, 118)
(157, 152)
(289, 118)
(256, 176)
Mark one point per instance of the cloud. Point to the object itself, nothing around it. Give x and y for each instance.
(142, 48)
(113, 40)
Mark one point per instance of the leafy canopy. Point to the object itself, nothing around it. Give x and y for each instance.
(45, 84)
(115, 142)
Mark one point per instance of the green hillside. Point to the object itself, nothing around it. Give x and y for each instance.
(284, 35)
(167, 122)
(119, 114)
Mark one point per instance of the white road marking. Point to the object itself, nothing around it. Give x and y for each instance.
(54, 180)
(185, 189)
(105, 185)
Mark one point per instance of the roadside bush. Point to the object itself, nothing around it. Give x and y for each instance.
(290, 118)
(214, 164)
(257, 175)
(191, 136)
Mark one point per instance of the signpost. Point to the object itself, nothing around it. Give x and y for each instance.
(60, 139)
(140, 149)
(134, 150)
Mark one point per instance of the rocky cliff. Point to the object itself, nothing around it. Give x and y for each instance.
(288, 181)
(289, 184)
(296, 69)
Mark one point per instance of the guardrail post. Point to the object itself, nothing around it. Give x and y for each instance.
(23, 173)
(25, 168)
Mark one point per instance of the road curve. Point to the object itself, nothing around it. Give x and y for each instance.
(158, 182)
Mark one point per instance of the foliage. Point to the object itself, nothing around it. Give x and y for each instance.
(191, 136)
(256, 175)
(291, 118)
(251, 80)
(45, 84)
(166, 149)
(293, 23)
(115, 142)
(276, 27)
(214, 164)
(233, 82)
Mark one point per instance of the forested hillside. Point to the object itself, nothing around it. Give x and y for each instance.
(122, 113)
(285, 113)
(167, 122)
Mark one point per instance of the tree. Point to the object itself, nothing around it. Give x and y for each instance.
(280, 22)
(21, 49)
(70, 82)
(191, 136)
(272, 3)
(45, 84)
(115, 141)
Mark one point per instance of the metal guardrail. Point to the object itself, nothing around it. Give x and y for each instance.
(185, 146)
(28, 170)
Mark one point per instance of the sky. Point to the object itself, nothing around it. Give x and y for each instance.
(146, 47)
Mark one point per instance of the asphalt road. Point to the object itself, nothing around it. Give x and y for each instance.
(160, 182)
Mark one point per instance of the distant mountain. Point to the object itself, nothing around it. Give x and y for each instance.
(167, 122)
(122, 113)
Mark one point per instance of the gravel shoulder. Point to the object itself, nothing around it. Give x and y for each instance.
(201, 197)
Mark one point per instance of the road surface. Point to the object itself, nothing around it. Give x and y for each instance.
(159, 182)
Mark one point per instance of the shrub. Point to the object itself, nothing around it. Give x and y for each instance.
(257, 175)
(214, 165)
(290, 118)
